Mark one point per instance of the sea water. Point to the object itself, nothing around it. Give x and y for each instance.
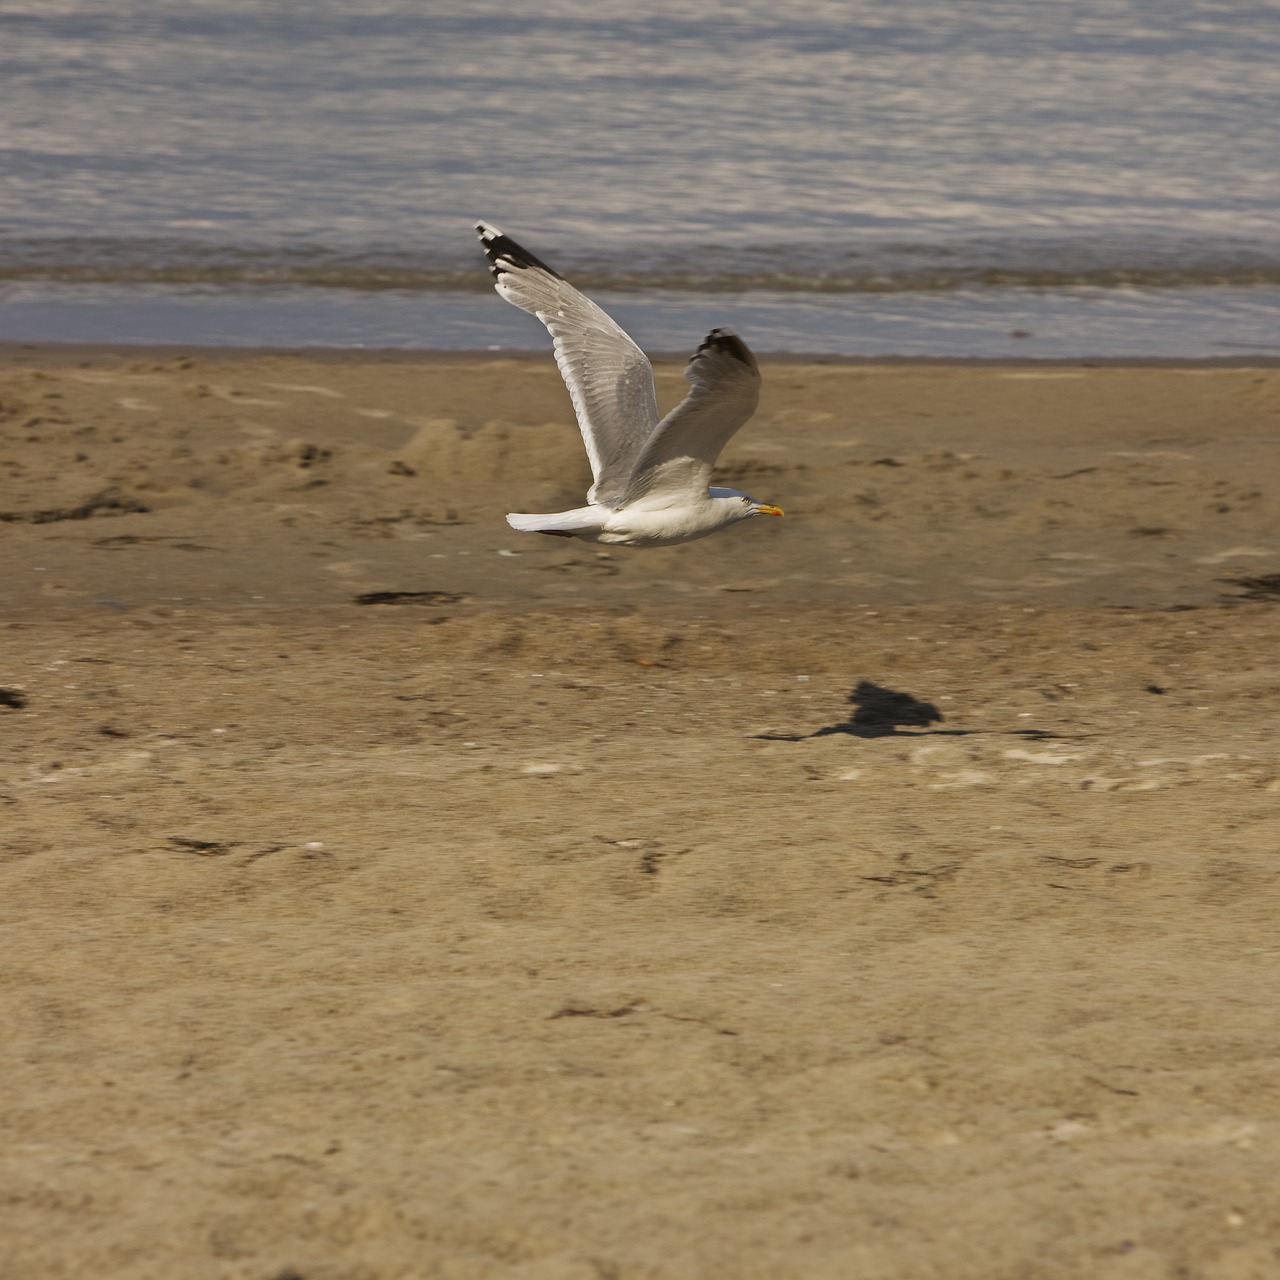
(1042, 178)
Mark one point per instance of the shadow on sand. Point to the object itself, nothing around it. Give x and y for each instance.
(889, 713)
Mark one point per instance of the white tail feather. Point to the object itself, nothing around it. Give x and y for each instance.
(580, 520)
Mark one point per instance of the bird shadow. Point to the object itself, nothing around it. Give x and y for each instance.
(879, 712)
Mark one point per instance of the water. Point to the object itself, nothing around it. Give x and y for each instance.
(855, 176)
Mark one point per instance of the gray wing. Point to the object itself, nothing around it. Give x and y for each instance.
(725, 389)
(610, 379)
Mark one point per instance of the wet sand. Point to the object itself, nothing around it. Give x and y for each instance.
(887, 892)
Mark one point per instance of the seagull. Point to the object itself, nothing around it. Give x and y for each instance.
(650, 475)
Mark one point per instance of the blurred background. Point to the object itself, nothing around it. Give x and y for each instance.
(916, 177)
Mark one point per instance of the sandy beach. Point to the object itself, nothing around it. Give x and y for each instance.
(888, 892)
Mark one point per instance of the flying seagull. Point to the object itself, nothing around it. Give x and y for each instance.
(650, 476)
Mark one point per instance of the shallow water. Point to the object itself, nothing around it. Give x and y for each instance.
(1052, 324)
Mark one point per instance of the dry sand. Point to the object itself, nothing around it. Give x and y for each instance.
(887, 892)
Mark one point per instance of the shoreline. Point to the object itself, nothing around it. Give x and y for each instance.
(14, 354)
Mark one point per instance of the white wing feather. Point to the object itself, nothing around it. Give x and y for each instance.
(610, 379)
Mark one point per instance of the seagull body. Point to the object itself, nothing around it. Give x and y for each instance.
(650, 476)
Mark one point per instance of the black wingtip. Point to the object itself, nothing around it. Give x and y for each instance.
(728, 342)
(505, 254)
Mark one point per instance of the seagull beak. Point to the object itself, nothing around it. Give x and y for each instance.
(764, 509)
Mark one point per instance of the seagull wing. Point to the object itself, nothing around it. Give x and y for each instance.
(610, 379)
(725, 389)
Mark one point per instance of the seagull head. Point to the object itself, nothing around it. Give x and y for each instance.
(741, 506)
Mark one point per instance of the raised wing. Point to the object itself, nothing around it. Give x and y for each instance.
(610, 379)
(725, 389)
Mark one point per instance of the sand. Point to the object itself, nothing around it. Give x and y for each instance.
(883, 893)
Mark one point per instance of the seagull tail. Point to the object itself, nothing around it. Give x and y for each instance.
(579, 523)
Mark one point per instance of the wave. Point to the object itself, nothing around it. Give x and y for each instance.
(820, 268)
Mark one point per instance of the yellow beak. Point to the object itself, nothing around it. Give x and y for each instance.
(763, 509)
